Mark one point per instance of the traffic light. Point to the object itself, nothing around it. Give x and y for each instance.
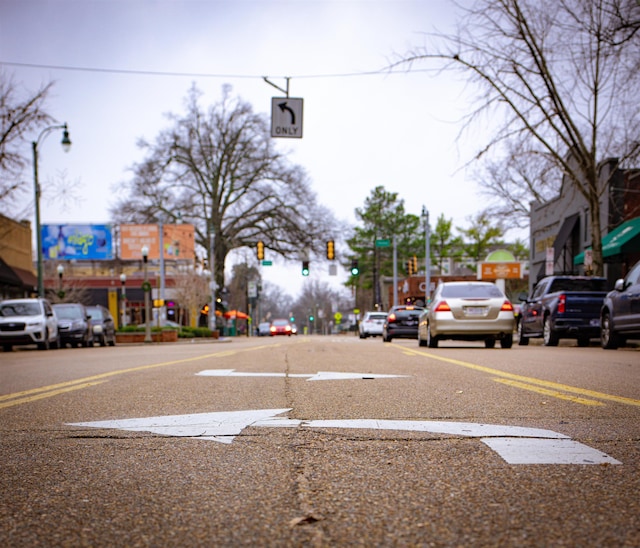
(415, 264)
(409, 267)
(311, 317)
(355, 271)
(260, 250)
(331, 250)
(305, 268)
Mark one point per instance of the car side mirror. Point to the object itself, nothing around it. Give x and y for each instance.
(522, 297)
(619, 285)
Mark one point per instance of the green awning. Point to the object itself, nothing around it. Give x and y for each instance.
(624, 239)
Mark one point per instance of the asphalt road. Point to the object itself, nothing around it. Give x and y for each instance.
(245, 444)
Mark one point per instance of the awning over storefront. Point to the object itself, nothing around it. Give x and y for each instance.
(624, 239)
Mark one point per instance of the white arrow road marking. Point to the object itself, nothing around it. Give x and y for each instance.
(515, 444)
(319, 376)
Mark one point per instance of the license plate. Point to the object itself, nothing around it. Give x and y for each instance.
(475, 310)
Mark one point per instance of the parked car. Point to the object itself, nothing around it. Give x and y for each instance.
(401, 323)
(294, 329)
(372, 324)
(280, 327)
(103, 325)
(74, 324)
(562, 307)
(620, 314)
(28, 321)
(468, 311)
(264, 329)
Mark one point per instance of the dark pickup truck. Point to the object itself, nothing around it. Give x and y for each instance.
(562, 307)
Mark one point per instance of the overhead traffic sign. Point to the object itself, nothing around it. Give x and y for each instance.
(286, 117)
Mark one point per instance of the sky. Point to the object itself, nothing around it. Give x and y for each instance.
(360, 130)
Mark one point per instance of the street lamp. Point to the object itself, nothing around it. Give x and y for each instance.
(147, 289)
(123, 281)
(60, 270)
(66, 145)
(427, 259)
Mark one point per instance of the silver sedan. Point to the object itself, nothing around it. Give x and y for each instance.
(468, 311)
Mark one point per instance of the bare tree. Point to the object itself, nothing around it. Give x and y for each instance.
(21, 113)
(219, 170)
(560, 77)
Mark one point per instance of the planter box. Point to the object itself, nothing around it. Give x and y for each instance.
(138, 336)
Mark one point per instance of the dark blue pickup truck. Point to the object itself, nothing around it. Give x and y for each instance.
(562, 307)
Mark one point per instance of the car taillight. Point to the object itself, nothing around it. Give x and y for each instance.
(442, 307)
(288, 328)
(506, 307)
(391, 317)
(562, 301)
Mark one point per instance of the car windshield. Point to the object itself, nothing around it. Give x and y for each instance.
(95, 313)
(379, 316)
(568, 284)
(471, 291)
(19, 309)
(68, 312)
(280, 322)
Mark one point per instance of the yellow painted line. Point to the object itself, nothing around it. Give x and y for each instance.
(48, 394)
(42, 392)
(531, 380)
(546, 392)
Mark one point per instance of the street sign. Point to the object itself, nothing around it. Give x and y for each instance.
(267, 263)
(383, 243)
(286, 117)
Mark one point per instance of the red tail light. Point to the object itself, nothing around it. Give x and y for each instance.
(442, 307)
(507, 307)
(562, 301)
(391, 317)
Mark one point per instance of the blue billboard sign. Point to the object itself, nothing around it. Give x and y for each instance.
(68, 242)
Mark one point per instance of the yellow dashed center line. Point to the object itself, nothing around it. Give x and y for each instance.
(553, 389)
(26, 396)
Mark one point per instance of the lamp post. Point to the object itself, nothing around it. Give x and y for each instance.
(123, 281)
(60, 270)
(427, 257)
(66, 145)
(147, 289)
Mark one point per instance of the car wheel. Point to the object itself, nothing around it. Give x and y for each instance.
(112, 341)
(522, 339)
(608, 339)
(490, 342)
(421, 341)
(386, 338)
(506, 341)
(45, 344)
(548, 335)
(102, 340)
(7, 347)
(432, 342)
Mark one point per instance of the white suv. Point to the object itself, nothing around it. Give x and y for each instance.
(371, 324)
(28, 321)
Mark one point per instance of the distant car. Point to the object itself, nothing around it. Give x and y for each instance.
(280, 327)
(468, 311)
(620, 314)
(264, 329)
(74, 324)
(28, 321)
(401, 323)
(294, 329)
(371, 325)
(103, 325)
